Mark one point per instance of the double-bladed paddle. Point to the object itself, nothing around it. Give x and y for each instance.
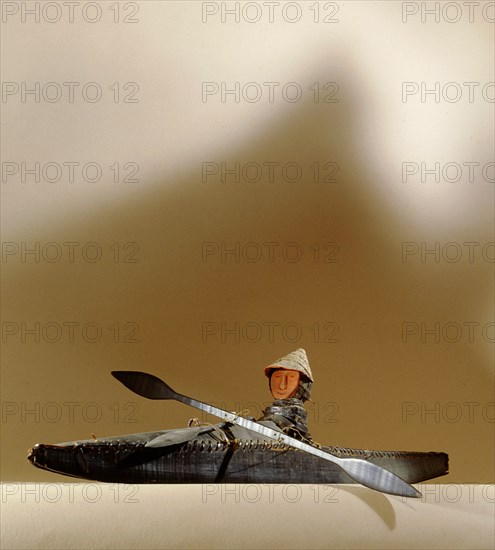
(362, 471)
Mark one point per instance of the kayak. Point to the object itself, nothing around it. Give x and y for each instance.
(220, 453)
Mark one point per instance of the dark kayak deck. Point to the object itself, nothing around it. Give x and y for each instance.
(222, 453)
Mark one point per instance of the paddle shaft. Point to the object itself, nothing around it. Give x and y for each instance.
(362, 471)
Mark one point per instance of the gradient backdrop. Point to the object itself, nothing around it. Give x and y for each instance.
(365, 165)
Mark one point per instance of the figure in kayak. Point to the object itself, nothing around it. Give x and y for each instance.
(290, 381)
(238, 449)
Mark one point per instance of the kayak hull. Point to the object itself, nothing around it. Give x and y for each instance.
(218, 455)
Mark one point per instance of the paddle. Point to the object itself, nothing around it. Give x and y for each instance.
(362, 471)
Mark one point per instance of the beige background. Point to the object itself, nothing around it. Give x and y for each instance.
(369, 378)
(248, 516)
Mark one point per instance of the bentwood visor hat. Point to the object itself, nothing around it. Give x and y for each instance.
(297, 360)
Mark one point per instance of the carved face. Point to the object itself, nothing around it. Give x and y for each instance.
(283, 383)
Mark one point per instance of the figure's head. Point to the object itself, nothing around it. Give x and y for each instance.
(290, 376)
(284, 383)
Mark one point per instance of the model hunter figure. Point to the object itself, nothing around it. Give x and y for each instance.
(290, 381)
(277, 448)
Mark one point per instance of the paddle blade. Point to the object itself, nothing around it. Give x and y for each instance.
(375, 477)
(145, 384)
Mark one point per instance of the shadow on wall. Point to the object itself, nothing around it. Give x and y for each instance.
(181, 290)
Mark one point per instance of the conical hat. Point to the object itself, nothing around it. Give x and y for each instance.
(297, 360)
